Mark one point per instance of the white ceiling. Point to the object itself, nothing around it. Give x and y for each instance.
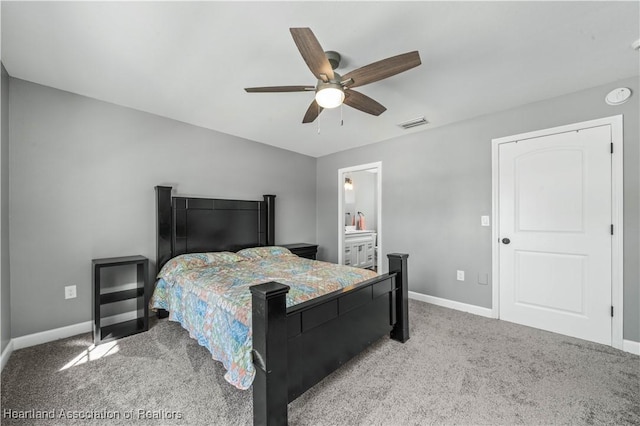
(190, 61)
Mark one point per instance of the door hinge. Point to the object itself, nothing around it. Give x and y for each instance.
(612, 311)
(612, 147)
(612, 229)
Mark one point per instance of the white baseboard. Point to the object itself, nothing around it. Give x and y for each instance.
(68, 331)
(631, 347)
(51, 335)
(6, 353)
(452, 304)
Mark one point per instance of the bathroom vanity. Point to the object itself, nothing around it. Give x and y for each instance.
(360, 248)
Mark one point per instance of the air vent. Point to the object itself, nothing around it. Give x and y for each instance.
(413, 123)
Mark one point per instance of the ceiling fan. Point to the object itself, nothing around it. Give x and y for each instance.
(333, 89)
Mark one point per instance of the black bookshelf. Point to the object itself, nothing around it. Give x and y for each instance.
(103, 333)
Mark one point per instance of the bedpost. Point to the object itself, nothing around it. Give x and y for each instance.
(269, 322)
(163, 226)
(398, 264)
(270, 208)
(164, 240)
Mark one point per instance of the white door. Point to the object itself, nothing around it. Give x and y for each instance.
(555, 233)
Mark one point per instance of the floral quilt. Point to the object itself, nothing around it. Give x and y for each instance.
(208, 294)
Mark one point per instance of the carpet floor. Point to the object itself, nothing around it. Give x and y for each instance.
(457, 368)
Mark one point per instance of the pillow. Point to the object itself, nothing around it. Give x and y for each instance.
(264, 252)
(185, 262)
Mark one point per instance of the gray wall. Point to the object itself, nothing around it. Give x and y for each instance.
(437, 183)
(82, 175)
(81, 186)
(5, 290)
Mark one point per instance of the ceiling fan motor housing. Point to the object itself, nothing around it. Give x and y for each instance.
(334, 58)
(336, 81)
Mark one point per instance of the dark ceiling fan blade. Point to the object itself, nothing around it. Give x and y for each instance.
(362, 102)
(312, 112)
(312, 53)
(280, 89)
(382, 69)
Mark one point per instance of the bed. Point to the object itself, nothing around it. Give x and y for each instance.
(277, 322)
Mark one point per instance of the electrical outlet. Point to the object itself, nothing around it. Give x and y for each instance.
(460, 275)
(70, 292)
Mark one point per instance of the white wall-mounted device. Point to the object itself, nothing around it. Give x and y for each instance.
(618, 96)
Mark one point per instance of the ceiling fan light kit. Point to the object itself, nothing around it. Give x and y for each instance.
(332, 90)
(329, 95)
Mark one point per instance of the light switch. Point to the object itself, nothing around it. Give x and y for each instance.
(485, 221)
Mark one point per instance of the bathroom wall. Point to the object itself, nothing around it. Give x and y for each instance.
(363, 197)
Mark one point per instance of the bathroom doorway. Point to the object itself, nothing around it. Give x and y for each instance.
(360, 216)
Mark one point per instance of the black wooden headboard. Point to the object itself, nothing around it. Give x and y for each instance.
(192, 225)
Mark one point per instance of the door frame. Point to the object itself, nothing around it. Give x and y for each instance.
(617, 250)
(380, 265)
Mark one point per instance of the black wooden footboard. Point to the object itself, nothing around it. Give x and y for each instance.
(295, 348)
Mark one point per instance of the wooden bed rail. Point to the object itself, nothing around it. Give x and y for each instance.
(294, 348)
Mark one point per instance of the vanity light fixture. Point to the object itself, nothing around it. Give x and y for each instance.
(348, 184)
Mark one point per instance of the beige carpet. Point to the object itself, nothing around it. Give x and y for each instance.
(457, 368)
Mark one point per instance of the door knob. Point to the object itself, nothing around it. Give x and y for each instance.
(506, 241)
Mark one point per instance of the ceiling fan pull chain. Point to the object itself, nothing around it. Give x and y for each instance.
(341, 119)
